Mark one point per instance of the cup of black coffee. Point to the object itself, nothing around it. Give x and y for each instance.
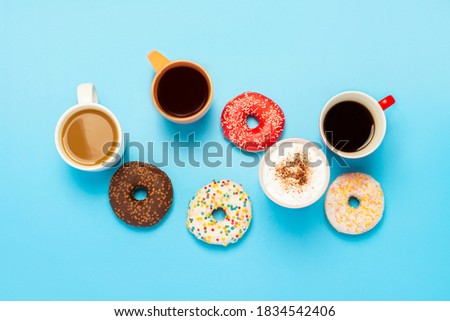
(181, 90)
(353, 124)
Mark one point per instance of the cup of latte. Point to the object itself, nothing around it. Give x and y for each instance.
(294, 173)
(88, 135)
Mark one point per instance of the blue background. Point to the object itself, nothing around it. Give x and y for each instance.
(59, 238)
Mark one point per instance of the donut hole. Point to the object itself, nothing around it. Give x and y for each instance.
(252, 122)
(353, 202)
(140, 194)
(219, 214)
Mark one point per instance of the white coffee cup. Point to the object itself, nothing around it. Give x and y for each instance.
(87, 100)
(319, 170)
(376, 109)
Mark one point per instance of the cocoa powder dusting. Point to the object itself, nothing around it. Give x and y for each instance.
(293, 172)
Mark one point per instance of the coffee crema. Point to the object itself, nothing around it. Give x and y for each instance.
(349, 126)
(182, 91)
(89, 137)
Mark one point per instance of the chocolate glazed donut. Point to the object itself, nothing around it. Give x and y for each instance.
(132, 176)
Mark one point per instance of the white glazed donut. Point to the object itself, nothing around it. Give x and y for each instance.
(347, 219)
(230, 197)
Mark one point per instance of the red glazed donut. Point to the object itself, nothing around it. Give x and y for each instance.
(270, 119)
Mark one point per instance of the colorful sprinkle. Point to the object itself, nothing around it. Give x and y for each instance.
(350, 220)
(231, 198)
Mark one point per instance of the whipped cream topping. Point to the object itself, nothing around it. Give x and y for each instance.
(294, 173)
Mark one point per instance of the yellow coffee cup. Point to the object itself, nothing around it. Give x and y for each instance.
(182, 90)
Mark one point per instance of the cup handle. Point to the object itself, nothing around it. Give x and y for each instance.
(387, 102)
(157, 60)
(86, 94)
